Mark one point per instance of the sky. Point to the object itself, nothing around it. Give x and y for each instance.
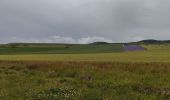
(83, 21)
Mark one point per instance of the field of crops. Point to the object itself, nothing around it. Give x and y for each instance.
(140, 75)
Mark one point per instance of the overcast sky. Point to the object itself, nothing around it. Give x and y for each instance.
(83, 21)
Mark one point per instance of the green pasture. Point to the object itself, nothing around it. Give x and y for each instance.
(62, 49)
(154, 53)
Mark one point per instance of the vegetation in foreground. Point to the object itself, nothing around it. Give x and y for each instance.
(33, 80)
(105, 76)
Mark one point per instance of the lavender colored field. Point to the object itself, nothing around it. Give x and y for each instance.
(133, 48)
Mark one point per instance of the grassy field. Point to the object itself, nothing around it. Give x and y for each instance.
(141, 75)
(84, 81)
(62, 49)
(155, 53)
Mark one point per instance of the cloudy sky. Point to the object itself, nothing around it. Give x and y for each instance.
(83, 21)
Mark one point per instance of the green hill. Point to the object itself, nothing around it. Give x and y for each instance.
(151, 41)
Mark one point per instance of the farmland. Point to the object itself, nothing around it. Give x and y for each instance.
(101, 75)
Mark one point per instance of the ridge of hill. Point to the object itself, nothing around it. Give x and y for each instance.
(148, 41)
(152, 41)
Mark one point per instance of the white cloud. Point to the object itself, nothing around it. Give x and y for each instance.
(62, 39)
(93, 39)
(58, 39)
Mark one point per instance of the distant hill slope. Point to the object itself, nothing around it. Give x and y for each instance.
(149, 41)
(153, 42)
(99, 43)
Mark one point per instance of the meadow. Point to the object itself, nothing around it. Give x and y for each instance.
(154, 53)
(60, 49)
(140, 75)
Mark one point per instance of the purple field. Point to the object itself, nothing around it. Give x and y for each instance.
(133, 48)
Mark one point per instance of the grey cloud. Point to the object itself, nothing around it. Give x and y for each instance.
(109, 20)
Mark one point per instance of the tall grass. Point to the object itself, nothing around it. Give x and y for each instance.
(107, 76)
(84, 80)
